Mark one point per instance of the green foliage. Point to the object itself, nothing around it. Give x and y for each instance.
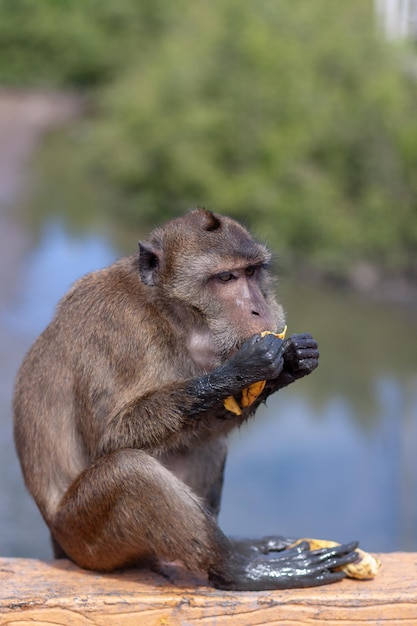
(297, 117)
(76, 43)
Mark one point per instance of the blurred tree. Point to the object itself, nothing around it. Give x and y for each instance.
(79, 43)
(295, 116)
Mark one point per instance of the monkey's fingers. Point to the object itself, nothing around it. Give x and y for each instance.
(302, 339)
(364, 567)
(306, 365)
(307, 353)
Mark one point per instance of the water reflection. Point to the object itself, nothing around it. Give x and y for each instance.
(334, 456)
(41, 277)
(320, 474)
(51, 268)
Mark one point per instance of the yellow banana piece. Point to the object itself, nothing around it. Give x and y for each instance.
(250, 394)
(231, 405)
(364, 568)
(280, 335)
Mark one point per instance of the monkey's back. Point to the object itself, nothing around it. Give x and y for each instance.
(78, 372)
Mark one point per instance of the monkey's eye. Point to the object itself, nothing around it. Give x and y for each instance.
(225, 276)
(250, 271)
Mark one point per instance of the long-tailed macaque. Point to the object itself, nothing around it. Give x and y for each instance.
(120, 422)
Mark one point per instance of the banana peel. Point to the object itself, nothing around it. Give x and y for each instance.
(249, 394)
(364, 568)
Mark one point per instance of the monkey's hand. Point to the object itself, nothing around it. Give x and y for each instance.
(259, 358)
(293, 358)
(301, 357)
(295, 567)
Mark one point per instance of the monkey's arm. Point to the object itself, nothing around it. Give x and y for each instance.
(160, 418)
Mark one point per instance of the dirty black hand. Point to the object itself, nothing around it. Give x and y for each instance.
(259, 358)
(301, 355)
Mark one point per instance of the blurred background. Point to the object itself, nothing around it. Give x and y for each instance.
(299, 119)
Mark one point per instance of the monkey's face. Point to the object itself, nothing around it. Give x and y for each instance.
(240, 305)
(211, 267)
(232, 306)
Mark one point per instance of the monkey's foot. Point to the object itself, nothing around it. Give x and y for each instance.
(290, 568)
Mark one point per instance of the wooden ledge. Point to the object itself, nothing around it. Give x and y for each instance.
(39, 593)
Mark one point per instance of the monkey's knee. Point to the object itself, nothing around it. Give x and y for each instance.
(128, 508)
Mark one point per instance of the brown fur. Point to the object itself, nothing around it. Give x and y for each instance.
(118, 468)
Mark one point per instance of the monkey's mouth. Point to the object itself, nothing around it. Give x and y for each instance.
(230, 352)
(280, 335)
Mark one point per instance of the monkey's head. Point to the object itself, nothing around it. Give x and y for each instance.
(210, 266)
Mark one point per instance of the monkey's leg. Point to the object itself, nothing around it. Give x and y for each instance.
(201, 468)
(126, 508)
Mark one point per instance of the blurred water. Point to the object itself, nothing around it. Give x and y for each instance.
(333, 456)
(38, 277)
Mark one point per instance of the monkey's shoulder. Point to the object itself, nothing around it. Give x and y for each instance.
(106, 284)
(110, 310)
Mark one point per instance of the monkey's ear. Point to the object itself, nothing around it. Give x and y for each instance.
(149, 262)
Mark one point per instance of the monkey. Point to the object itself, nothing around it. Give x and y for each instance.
(119, 416)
